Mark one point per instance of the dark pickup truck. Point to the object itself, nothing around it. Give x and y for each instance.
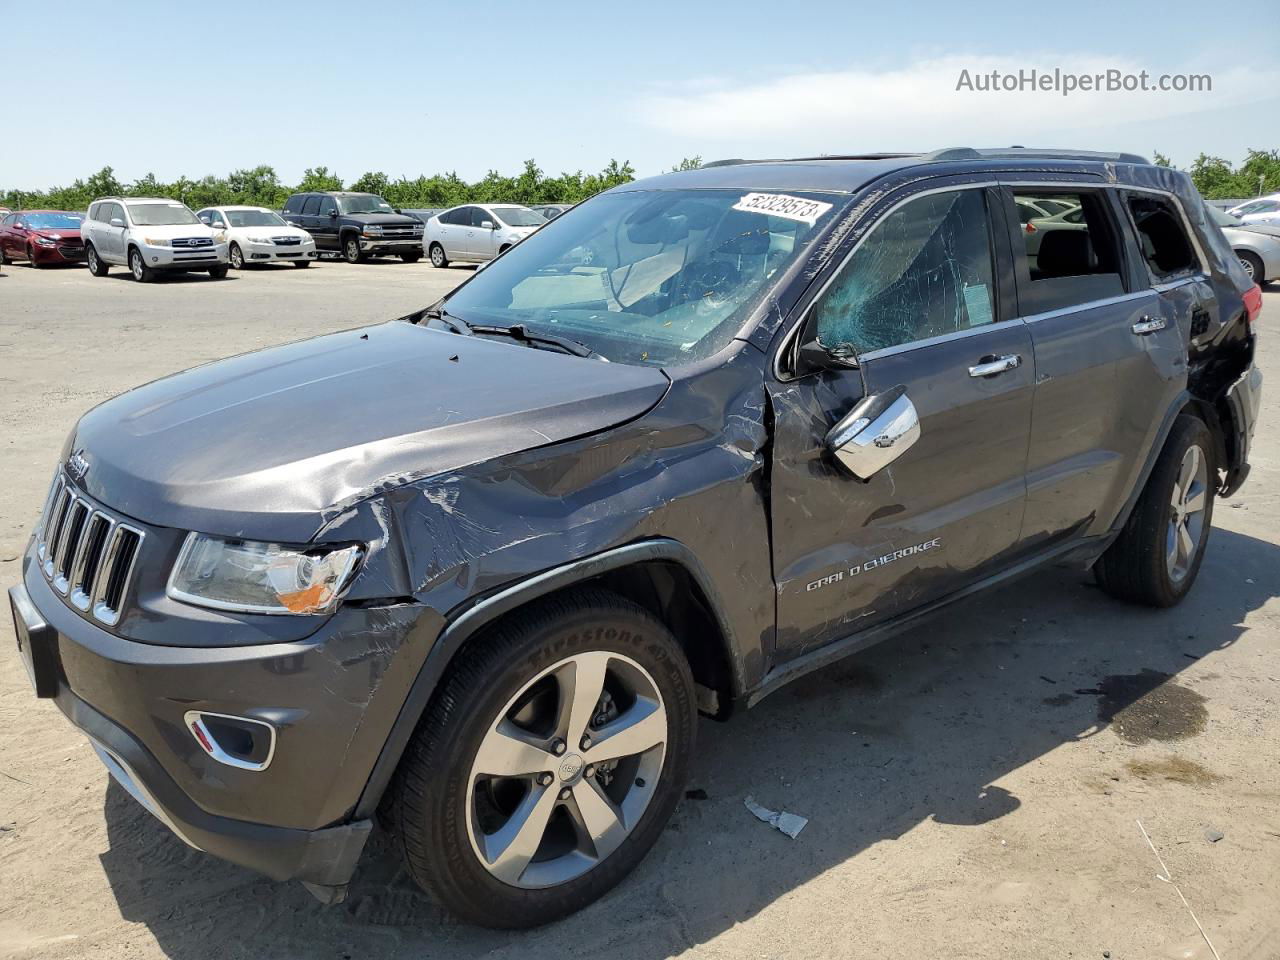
(475, 571)
(357, 225)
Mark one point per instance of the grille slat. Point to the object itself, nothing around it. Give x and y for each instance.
(88, 554)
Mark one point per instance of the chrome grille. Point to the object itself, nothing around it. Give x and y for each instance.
(183, 242)
(86, 553)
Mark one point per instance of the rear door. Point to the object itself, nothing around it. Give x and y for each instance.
(457, 223)
(925, 302)
(1108, 361)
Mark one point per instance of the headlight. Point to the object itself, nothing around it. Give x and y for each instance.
(373, 230)
(155, 242)
(261, 577)
(46, 241)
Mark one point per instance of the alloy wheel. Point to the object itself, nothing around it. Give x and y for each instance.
(1186, 515)
(437, 257)
(1248, 267)
(566, 770)
(136, 266)
(236, 256)
(353, 250)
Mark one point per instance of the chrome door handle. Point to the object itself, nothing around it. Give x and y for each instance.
(990, 366)
(1149, 325)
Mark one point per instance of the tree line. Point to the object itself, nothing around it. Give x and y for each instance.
(261, 186)
(1217, 179)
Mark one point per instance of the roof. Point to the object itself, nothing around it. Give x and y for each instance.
(849, 173)
(233, 206)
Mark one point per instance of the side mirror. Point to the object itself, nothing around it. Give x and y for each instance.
(874, 433)
(117, 222)
(816, 355)
(487, 225)
(333, 214)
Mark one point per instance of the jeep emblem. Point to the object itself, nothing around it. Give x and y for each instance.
(77, 466)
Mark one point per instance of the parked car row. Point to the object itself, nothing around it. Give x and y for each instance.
(148, 235)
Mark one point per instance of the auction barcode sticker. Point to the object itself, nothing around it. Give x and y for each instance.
(782, 205)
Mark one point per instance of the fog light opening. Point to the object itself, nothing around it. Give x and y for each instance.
(239, 742)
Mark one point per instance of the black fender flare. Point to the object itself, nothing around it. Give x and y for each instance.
(473, 618)
(1180, 403)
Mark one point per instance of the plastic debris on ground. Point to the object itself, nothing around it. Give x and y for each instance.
(789, 823)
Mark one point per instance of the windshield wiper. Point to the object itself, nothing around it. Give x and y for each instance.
(522, 334)
(454, 323)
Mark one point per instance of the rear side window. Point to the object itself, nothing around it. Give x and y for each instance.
(925, 270)
(311, 207)
(1162, 237)
(457, 217)
(1072, 257)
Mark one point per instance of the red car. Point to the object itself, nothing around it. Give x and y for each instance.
(41, 237)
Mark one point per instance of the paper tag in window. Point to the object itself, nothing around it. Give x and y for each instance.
(782, 205)
(977, 302)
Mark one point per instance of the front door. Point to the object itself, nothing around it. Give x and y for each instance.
(922, 303)
(325, 221)
(110, 237)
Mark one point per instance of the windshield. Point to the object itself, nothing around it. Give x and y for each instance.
(1221, 217)
(519, 216)
(657, 277)
(53, 221)
(255, 218)
(364, 203)
(160, 214)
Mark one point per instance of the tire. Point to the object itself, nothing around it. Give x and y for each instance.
(97, 266)
(4, 257)
(138, 267)
(410, 257)
(351, 251)
(32, 262)
(1252, 264)
(438, 259)
(503, 249)
(235, 257)
(441, 800)
(1158, 554)
(302, 264)
(219, 272)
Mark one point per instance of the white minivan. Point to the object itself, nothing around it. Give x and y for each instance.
(150, 234)
(477, 232)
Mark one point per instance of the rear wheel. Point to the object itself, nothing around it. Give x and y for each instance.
(1157, 556)
(1252, 264)
(235, 256)
(351, 251)
(97, 266)
(138, 267)
(438, 259)
(548, 763)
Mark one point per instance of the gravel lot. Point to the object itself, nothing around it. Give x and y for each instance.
(973, 788)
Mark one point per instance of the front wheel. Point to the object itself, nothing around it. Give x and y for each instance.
(32, 261)
(548, 763)
(138, 267)
(351, 251)
(411, 257)
(97, 266)
(1157, 556)
(219, 272)
(302, 263)
(438, 259)
(235, 256)
(1252, 264)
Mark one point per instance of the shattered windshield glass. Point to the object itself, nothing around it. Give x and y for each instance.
(923, 271)
(647, 276)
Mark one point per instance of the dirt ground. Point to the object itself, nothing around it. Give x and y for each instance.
(973, 789)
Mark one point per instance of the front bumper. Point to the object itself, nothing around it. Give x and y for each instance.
(177, 258)
(332, 700)
(58, 253)
(397, 245)
(275, 253)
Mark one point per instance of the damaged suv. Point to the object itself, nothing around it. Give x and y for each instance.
(476, 571)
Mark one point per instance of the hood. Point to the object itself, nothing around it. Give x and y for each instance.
(172, 231)
(390, 219)
(1266, 229)
(58, 233)
(268, 445)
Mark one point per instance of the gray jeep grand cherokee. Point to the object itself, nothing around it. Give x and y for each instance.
(478, 569)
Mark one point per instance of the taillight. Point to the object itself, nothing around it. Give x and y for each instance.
(1031, 228)
(1253, 304)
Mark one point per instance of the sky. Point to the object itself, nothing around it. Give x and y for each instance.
(420, 88)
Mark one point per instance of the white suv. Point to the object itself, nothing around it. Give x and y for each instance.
(148, 234)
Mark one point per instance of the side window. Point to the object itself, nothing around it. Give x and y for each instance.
(1161, 236)
(294, 204)
(112, 211)
(925, 270)
(458, 218)
(216, 219)
(7, 221)
(479, 215)
(1072, 257)
(328, 205)
(311, 207)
